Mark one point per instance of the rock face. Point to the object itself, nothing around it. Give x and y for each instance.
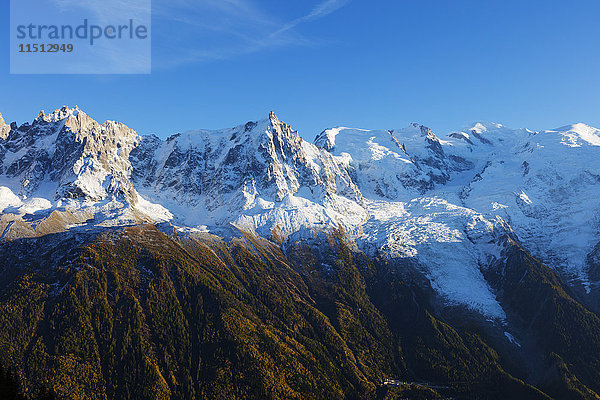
(447, 204)
(4, 128)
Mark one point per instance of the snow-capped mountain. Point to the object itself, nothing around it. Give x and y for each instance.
(545, 185)
(258, 173)
(394, 164)
(447, 204)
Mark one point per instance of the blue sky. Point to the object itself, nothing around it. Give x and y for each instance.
(371, 64)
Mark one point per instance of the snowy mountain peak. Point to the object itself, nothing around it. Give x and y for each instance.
(250, 168)
(578, 127)
(72, 155)
(326, 139)
(577, 135)
(273, 118)
(59, 114)
(485, 137)
(483, 126)
(425, 131)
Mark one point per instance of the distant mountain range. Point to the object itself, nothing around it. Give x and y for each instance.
(466, 266)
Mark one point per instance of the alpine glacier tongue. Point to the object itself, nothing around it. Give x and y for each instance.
(447, 206)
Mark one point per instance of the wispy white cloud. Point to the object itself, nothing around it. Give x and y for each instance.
(319, 11)
(106, 10)
(194, 31)
(230, 28)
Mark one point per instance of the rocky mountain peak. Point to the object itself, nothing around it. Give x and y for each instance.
(59, 114)
(4, 128)
(425, 132)
(273, 118)
(102, 167)
(283, 130)
(422, 128)
(82, 158)
(576, 135)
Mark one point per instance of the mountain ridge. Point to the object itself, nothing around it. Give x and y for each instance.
(405, 193)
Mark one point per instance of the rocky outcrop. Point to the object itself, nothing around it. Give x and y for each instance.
(4, 128)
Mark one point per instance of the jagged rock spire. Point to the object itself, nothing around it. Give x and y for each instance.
(273, 117)
(4, 128)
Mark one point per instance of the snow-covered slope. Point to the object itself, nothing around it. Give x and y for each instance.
(450, 244)
(546, 185)
(446, 204)
(394, 164)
